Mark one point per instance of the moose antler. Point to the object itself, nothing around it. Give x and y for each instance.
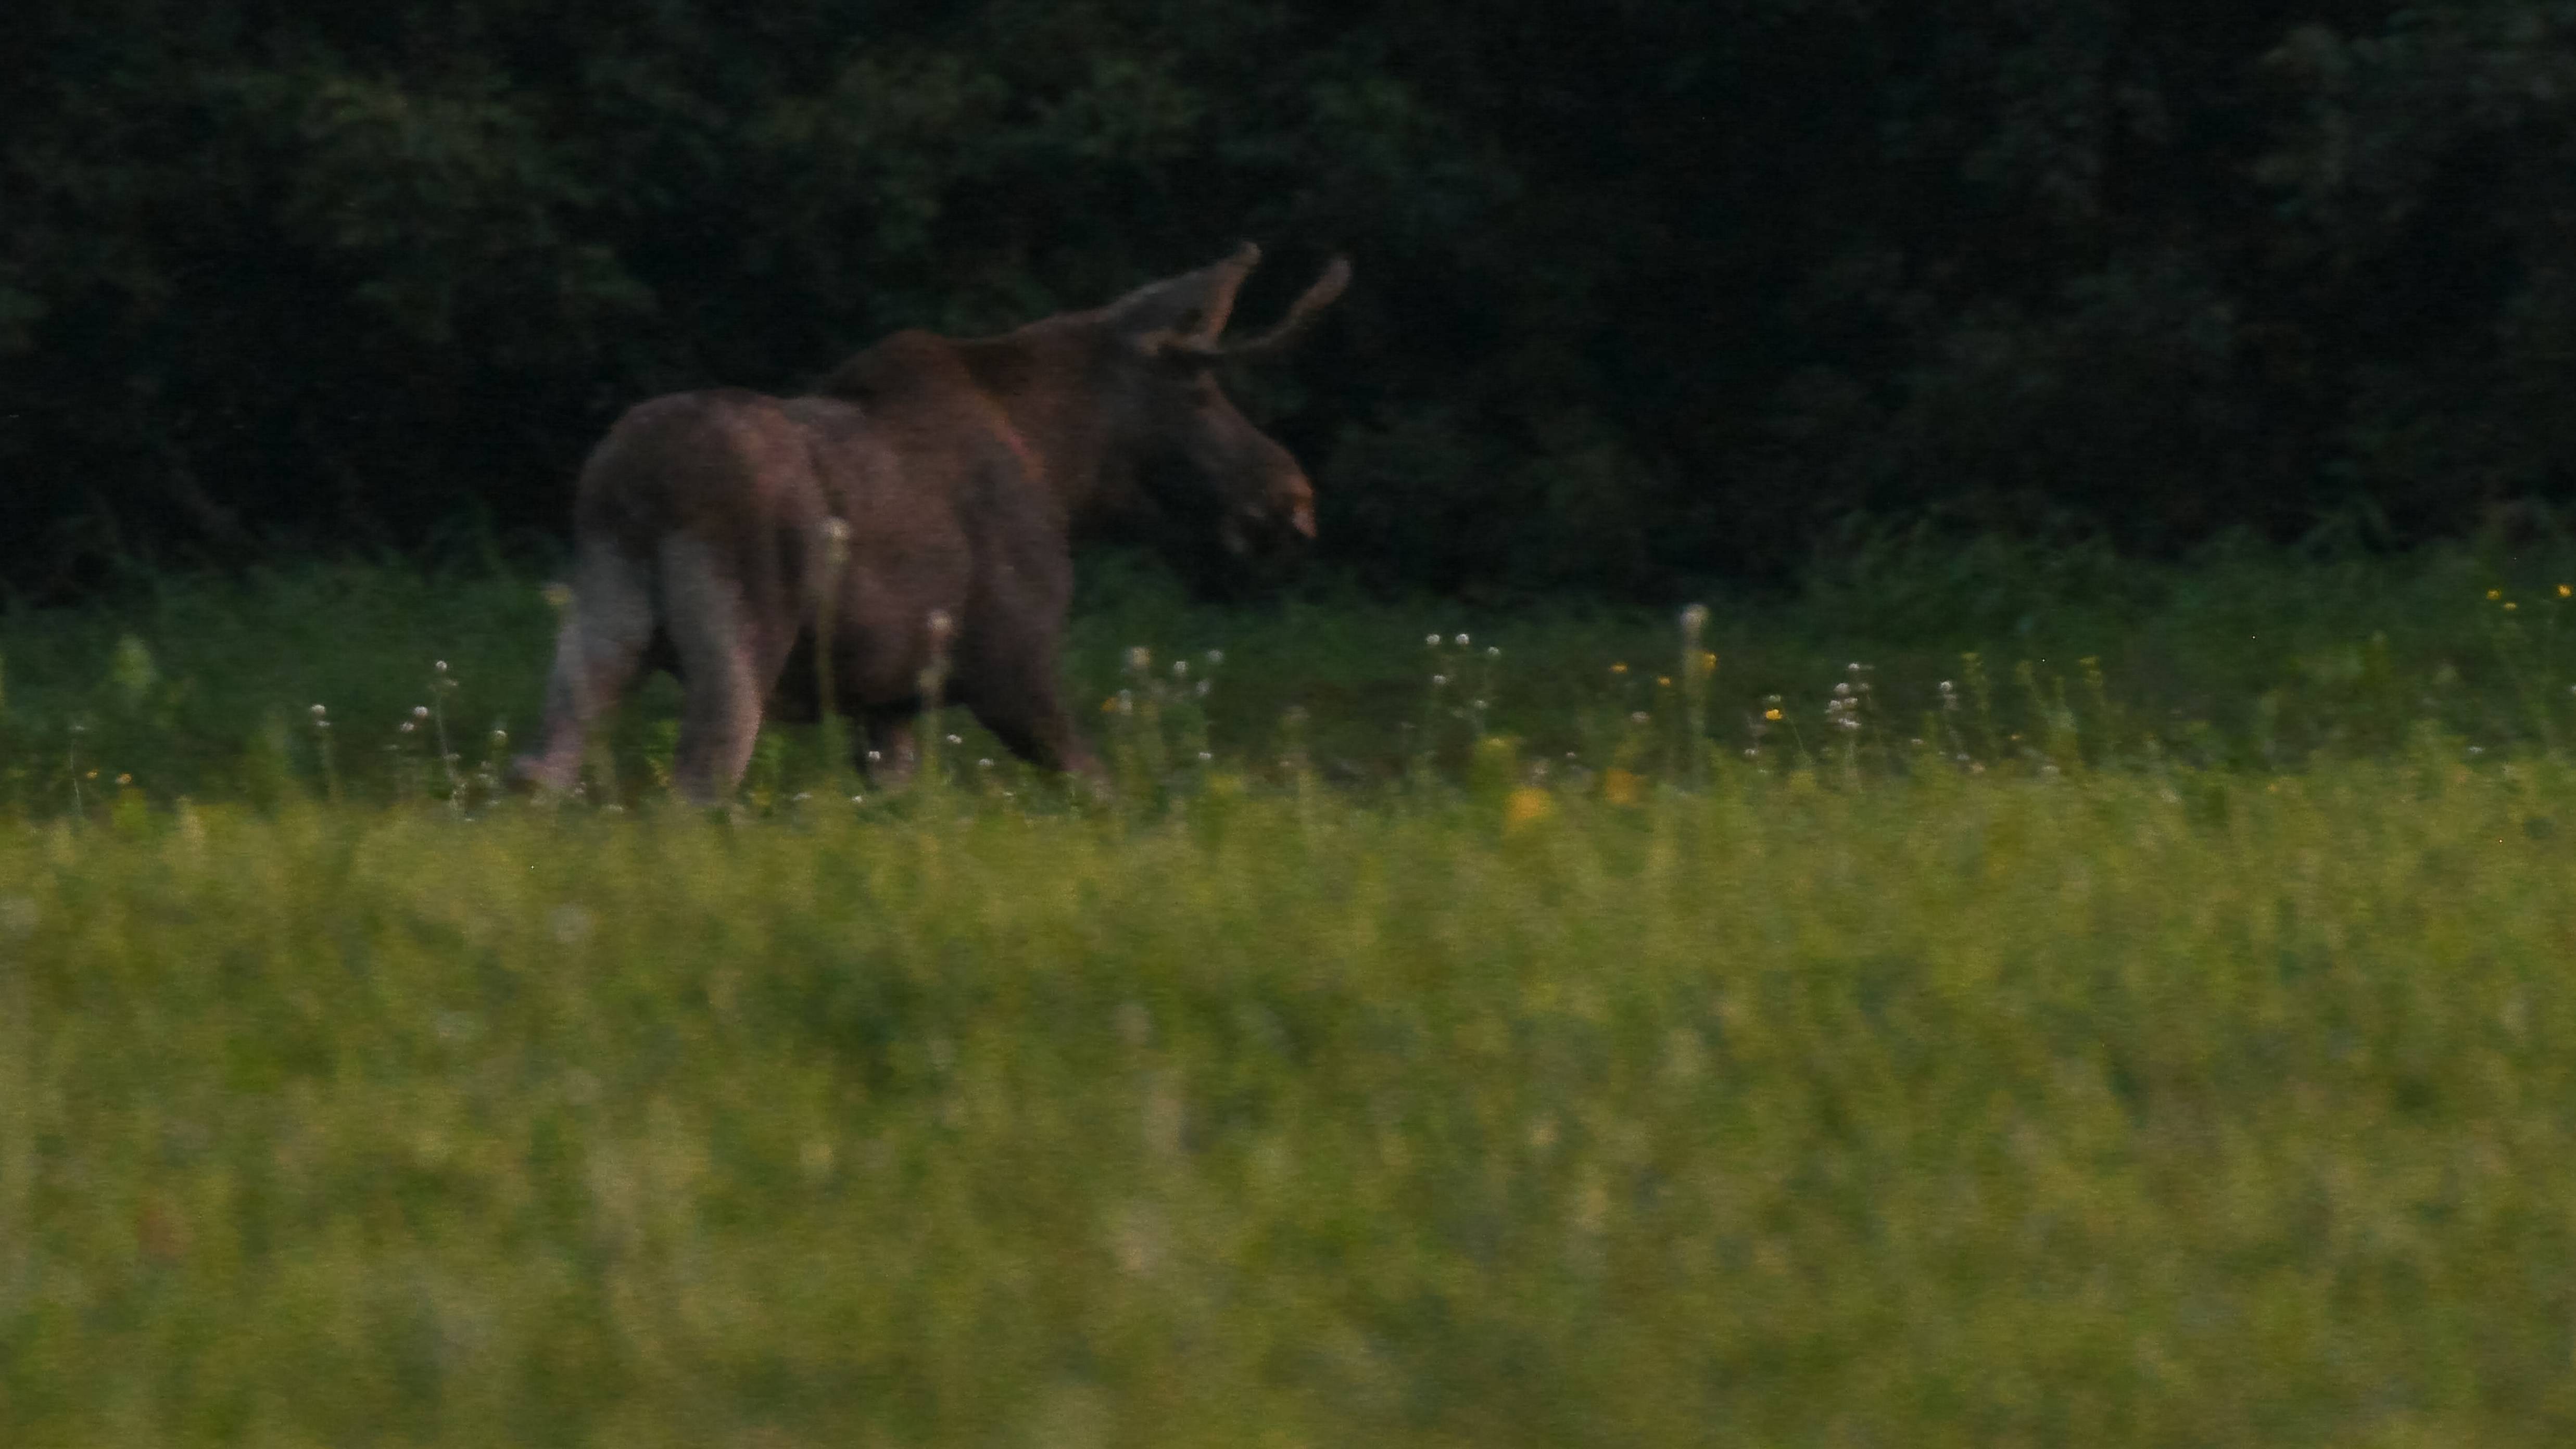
(1301, 314)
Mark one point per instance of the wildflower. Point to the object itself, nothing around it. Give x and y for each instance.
(420, 711)
(1215, 657)
(1438, 680)
(1462, 641)
(1140, 658)
(1180, 669)
(125, 779)
(1695, 617)
(954, 740)
(2509, 606)
(569, 924)
(2494, 594)
(1842, 691)
(2564, 590)
(1431, 640)
(1527, 806)
(1663, 681)
(1493, 651)
(1771, 714)
(1618, 668)
(318, 711)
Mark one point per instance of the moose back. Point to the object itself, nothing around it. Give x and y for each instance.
(932, 485)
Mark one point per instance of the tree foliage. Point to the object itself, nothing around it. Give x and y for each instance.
(1646, 287)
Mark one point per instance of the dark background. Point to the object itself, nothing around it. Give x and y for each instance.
(1646, 289)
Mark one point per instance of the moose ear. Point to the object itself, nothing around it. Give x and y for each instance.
(1187, 311)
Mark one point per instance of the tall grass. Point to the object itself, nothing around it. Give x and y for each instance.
(1949, 1111)
(2056, 1046)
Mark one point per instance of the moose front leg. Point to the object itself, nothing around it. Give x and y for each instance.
(1030, 719)
(891, 755)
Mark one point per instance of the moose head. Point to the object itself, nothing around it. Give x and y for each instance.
(1173, 432)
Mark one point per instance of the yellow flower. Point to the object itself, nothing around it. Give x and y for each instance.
(2566, 589)
(1771, 714)
(1527, 806)
(1707, 661)
(2493, 594)
(125, 779)
(1663, 681)
(2510, 606)
(1618, 668)
(1621, 787)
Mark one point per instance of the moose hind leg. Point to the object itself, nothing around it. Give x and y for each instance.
(726, 670)
(605, 630)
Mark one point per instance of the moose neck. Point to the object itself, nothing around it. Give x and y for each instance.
(1054, 387)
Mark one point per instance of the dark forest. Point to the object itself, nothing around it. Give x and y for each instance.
(1646, 289)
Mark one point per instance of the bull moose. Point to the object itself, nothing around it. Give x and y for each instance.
(933, 486)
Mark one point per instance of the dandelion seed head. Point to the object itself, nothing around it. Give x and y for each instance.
(1462, 641)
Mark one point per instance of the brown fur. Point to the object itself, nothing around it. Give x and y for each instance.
(962, 470)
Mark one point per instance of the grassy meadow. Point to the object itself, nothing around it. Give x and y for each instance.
(2105, 1005)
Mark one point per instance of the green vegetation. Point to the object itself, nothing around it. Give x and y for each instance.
(1641, 289)
(2144, 1078)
